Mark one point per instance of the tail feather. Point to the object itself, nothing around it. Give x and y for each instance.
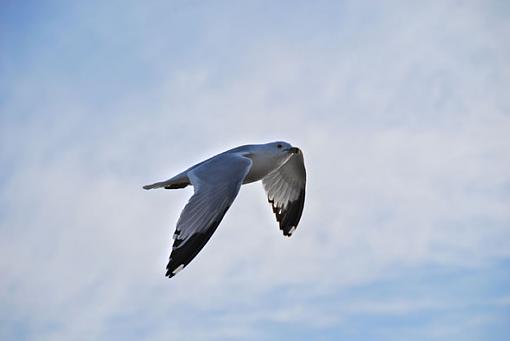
(154, 185)
(175, 182)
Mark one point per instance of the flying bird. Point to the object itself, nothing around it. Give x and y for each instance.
(216, 182)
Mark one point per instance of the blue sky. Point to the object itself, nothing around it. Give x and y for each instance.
(401, 109)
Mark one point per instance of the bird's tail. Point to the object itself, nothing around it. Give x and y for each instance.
(178, 181)
(155, 185)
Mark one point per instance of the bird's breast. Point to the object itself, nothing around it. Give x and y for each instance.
(259, 169)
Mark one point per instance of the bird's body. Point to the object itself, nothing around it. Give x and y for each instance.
(217, 181)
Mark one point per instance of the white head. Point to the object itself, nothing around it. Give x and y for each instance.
(280, 147)
(266, 157)
(275, 152)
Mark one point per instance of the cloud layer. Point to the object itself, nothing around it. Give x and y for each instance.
(402, 112)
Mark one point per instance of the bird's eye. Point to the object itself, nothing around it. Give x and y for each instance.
(279, 145)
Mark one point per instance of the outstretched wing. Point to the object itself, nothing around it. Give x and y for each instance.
(216, 183)
(285, 190)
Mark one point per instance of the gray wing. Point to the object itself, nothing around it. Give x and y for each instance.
(285, 190)
(216, 184)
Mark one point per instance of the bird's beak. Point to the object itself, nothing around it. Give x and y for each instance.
(293, 150)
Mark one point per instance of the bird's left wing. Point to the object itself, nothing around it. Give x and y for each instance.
(216, 184)
(285, 190)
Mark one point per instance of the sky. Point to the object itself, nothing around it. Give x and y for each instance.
(400, 107)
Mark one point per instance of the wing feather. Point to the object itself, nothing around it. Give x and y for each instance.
(216, 184)
(285, 189)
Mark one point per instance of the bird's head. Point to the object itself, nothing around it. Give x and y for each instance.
(273, 153)
(281, 147)
(278, 152)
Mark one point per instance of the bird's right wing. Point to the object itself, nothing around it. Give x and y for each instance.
(216, 184)
(285, 188)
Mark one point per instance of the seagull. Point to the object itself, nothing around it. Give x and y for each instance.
(216, 182)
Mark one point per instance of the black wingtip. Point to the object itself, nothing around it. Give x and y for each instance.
(182, 255)
(289, 217)
(169, 274)
(172, 269)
